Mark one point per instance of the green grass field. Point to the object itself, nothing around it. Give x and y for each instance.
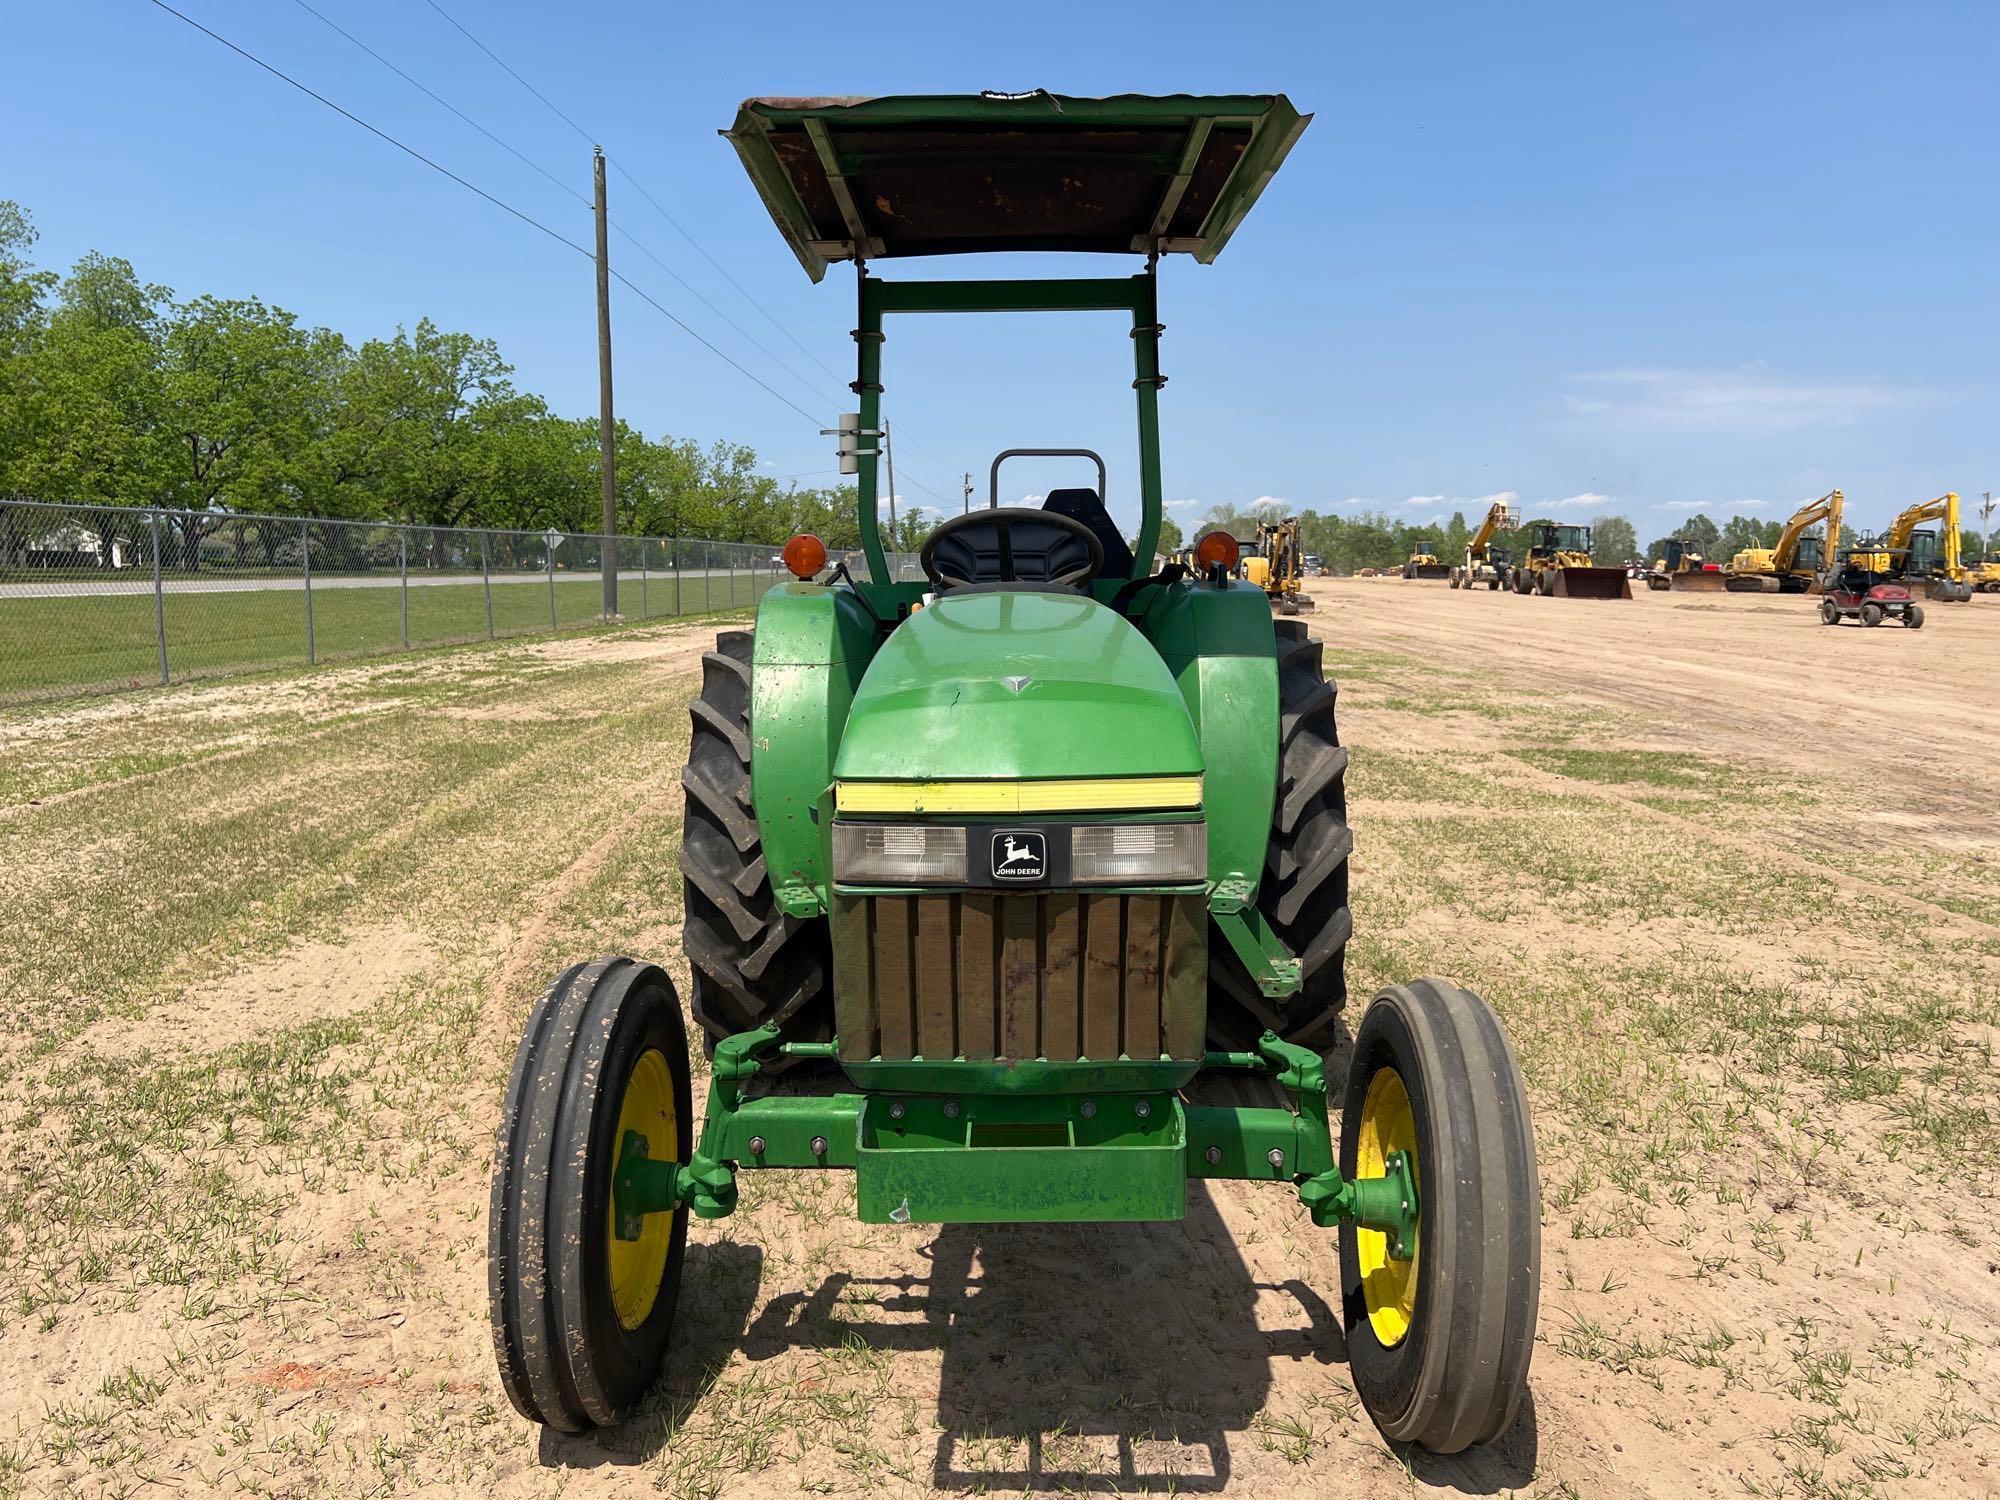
(64, 644)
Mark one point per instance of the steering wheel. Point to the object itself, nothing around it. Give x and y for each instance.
(1012, 544)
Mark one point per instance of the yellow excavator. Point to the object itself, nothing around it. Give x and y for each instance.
(1932, 568)
(1793, 566)
(1484, 562)
(1558, 563)
(1282, 552)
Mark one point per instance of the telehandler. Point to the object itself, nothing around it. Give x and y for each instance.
(1001, 862)
(1484, 562)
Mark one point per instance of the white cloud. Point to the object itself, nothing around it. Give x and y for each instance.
(1588, 500)
(1035, 499)
(1179, 504)
(1743, 397)
(1500, 497)
(1425, 500)
(1270, 502)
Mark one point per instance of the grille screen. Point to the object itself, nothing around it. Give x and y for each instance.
(1060, 975)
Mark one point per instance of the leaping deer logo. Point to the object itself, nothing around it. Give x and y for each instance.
(1015, 851)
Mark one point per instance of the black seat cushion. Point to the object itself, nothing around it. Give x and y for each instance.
(1087, 507)
(1039, 550)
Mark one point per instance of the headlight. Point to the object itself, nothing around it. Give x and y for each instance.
(1139, 854)
(898, 854)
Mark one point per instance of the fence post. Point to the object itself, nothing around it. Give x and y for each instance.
(549, 552)
(404, 538)
(159, 598)
(645, 606)
(306, 562)
(486, 579)
(732, 576)
(677, 575)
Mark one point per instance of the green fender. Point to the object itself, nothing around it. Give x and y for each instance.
(1222, 649)
(813, 645)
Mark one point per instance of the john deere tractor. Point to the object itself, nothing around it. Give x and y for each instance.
(1005, 867)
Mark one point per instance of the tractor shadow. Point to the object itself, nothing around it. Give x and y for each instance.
(1076, 1357)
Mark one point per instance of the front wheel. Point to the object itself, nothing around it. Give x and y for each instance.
(1871, 614)
(1439, 1344)
(1829, 612)
(1914, 617)
(581, 1316)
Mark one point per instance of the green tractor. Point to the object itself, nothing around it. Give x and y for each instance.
(1014, 869)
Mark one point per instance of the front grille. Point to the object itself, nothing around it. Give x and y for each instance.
(1060, 975)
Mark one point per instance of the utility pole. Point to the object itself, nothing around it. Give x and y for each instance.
(967, 508)
(1986, 509)
(606, 432)
(889, 453)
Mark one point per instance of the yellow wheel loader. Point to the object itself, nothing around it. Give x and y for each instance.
(1558, 563)
(1423, 563)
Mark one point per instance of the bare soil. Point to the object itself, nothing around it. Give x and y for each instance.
(1731, 878)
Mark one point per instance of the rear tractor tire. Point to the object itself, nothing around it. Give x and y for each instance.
(749, 963)
(580, 1317)
(1303, 893)
(1439, 1344)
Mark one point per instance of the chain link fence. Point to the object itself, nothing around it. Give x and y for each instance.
(97, 598)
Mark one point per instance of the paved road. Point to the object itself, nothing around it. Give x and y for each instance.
(72, 587)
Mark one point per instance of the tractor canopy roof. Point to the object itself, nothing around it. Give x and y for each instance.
(941, 174)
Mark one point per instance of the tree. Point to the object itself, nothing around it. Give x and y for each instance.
(1739, 534)
(1170, 536)
(1700, 533)
(1456, 535)
(1613, 540)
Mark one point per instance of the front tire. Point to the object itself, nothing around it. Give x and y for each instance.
(1439, 1345)
(1303, 893)
(1829, 612)
(581, 1318)
(1871, 614)
(1914, 617)
(749, 963)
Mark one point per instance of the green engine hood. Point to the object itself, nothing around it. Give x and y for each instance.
(935, 703)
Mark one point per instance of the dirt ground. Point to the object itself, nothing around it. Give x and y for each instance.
(1731, 879)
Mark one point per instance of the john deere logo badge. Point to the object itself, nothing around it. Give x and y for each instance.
(1020, 856)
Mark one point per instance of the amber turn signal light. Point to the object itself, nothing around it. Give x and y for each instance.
(805, 555)
(1217, 549)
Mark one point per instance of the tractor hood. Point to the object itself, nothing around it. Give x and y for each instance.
(1016, 684)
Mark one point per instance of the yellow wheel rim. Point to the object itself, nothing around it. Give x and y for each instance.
(637, 1266)
(1388, 1287)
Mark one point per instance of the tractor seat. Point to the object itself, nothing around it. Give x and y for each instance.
(1010, 548)
(1085, 505)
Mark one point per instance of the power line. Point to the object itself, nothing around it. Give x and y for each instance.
(587, 139)
(442, 103)
(679, 228)
(498, 203)
(634, 239)
(720, 270)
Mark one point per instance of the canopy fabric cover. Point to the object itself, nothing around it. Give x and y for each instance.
(946, 174)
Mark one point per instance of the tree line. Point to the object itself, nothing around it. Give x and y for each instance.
(115, 392)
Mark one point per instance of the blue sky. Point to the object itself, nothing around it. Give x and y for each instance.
(1674, 256)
